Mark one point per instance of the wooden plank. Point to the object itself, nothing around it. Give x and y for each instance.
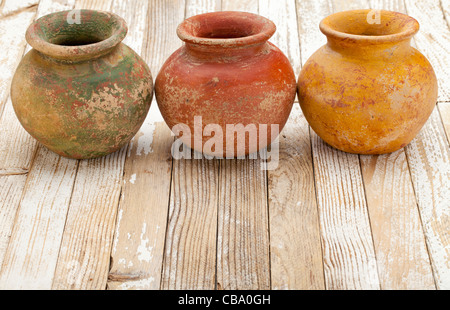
(10, 193)
(40, 193)
(429, 163)
(251, 6)
(190, 256)
(137, 254)
(345, 5)
(143, 210)
(309, 14)
(17, 147)
(163, 20)
(348, 252)
(390, 5)
(283, 13)
(9, 8)
(433, 40)
(13, 16)
(445, 5)
(84, 257)
(295, 252)
(195, 7)
(349, 257)
(52, 6)
(85, 251)
(444, 110)
(243, 260)
(103, 5)
(401, 252)
(32, 253)
(402, 256)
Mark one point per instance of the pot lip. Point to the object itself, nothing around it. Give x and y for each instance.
(266, 31)
(36, 38)
(410, 28)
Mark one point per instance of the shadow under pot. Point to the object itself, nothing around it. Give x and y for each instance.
(227, 92)
(80, 91)
(367, 90)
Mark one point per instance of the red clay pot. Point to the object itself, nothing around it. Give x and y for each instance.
(228, 73)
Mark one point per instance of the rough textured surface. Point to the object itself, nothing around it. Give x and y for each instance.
(367, 91)
(227, 73)
(82, 98)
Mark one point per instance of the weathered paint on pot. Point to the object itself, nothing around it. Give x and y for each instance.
(367, 90)
(228, 73)
(80, 91)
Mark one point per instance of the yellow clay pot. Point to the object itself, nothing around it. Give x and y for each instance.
(367, 91)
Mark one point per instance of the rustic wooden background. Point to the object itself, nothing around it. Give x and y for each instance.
(139, 220)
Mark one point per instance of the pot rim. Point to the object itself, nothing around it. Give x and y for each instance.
(409, 28)
(263, 29)
(39, 40)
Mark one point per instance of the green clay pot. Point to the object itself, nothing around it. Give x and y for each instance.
(80, 91)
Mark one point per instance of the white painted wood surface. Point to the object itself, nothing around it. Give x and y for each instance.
(139, 220)
(137, 257)
(33, 248)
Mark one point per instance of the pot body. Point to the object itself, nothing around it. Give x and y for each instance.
(86, 108)
(367, 97)
(209, 88)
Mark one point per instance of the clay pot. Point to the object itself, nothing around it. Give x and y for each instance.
(226, 73)
(80, 91)
(367, 90)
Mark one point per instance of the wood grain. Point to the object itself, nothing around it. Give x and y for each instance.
(251, 6)
(401, 252)
(194, 7)
(162, 22)
(138, 251)
(32, 253)
(390, 5)
(349, 257)
(16, 151)
(347, 245)
(137, 255)
(243, 260)
(433, 40)
(84, 257)
(17, 147)
(322, 219)
(16, 16)
(309, 14)
(429, 162)
(402, 256)
(296, 254)
(284, 15)
(190, 255)
(9, 8)
(103, 5)
(11, 188)
(444, 110)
